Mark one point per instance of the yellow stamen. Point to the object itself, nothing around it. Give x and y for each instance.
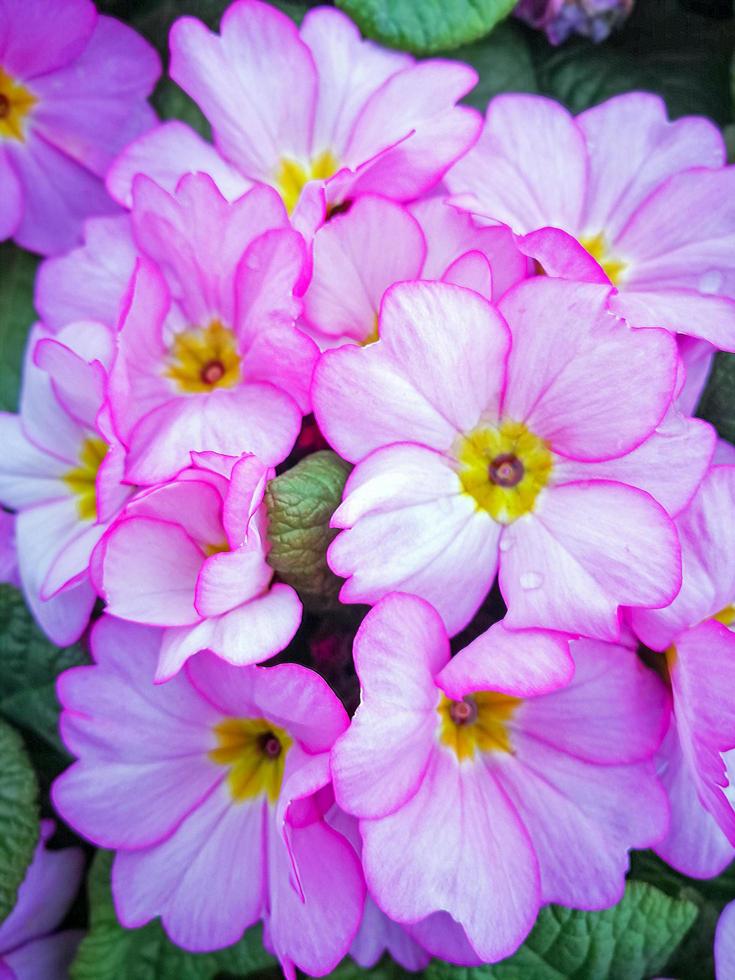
(15, 104)
(478, 723)
(374, 334)
(82, 480)
(293, 175)
(726, 616)
(598, 249)
(255, 752)
(504, 468)
(204, 359)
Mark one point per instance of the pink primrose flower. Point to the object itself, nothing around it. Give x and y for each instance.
(697, 761)
(358, 255)
(618, 194)
(306, 108)
(28, 951)
(190, 555)
(725, 944)
(61, 469)
(229, 828)
(8, 550)
(73, 87)
(533, 437)
(499, 779)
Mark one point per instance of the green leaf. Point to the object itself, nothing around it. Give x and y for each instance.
(664, 48)
(109, 952)
(19, 816)
(634, 939)
(171, 102)
(17, 272)
(29, 666)
(503, 62)
(717, 404)
(300, 504)
(386, 969)
(426, 26)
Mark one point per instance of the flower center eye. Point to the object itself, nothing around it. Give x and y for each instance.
(4, 106)
(212, 372)
(506, 470)
(463, 712)
(270, 745)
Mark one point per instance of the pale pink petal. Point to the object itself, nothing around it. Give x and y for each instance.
(79, 384)
(472, 271)
(441, 936)
(254, 418)
(8, 551)
(95, 106)
(12, 199)
(569, 567)
(29, 48)
(707, 535)
(72, 562)
(150, 572)
(49, 958)
(410, 528)
(248, 634)
(28, 476)
(561, 256)
(439, 365)
(528, 169)
(521, 663)
(165, 154)
(190, 502)
(412, 116)
(725, 943)
(686, 311)
(89, 282)
(378, 935)
(378, 764)
(231, 578)
(573, 367)
(356, 257)
(622, 173)
(696, 358)
(459, 828)
(47, 891)
(349, 68)
(694, 845)
(614, 711)
(204, 898)
(682, 235)
(59, 195)
(451, 233)
(581, 822)
(256, 83)
(670, 465)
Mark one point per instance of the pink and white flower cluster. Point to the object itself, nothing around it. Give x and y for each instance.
(505, 326)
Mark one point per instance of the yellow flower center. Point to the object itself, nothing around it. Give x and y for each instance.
(255, 753)
(726, 616)
(598, 249)
(204, 359)
(504, 468)
(477, 723)
(15, 104)
(293, 175)
(374, 334)
(82, 480)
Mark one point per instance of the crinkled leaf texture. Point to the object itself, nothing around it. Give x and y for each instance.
(29, 666)
(109, 952)
(19, 816)
(300, 505)
(634, 939)
(428, 26)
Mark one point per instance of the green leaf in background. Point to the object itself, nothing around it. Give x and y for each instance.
(386, 969)
(171, 102)
(300, 504)
(17, 272)
(19, 816)
(29, 666)
(109, 952)
(429, 26)
(633, 940)
(503, 62)
(717, 404)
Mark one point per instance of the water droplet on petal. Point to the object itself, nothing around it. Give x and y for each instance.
(710, 281)
(531, 580)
